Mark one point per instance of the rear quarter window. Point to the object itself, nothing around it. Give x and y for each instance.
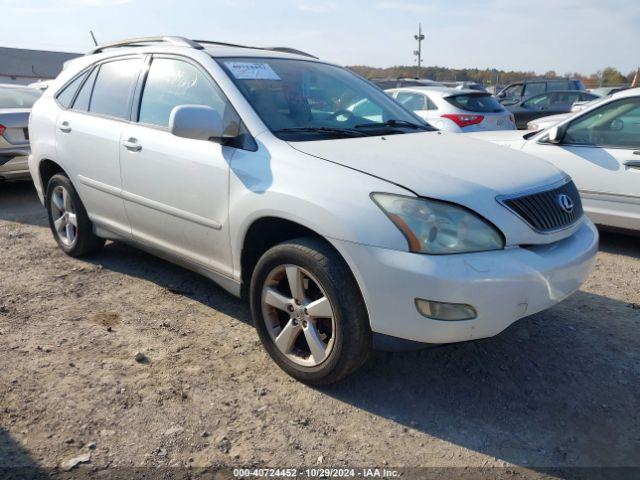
(65, 97)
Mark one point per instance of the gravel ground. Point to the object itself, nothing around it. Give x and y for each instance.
(557, 389)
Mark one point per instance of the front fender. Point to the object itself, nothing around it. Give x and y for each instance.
(327, 198)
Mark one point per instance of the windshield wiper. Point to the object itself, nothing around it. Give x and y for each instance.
(395, 123)
(342, 131)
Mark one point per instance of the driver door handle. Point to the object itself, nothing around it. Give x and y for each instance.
(632, 163)
(132, 145)
(65, 127)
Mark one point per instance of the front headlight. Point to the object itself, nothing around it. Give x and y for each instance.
(436, 227)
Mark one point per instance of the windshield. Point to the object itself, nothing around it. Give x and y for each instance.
(302, 100)
(11, 97)
(475, 102)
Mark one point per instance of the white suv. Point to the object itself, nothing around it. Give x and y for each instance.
(345, 233)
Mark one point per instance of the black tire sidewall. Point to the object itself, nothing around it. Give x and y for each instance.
(86, 241)
(330, 271)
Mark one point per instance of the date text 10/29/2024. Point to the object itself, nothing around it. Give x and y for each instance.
(315, 473)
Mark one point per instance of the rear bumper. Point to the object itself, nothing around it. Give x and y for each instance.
(503, 286)
(16, 168)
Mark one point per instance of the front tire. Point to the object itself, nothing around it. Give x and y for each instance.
(308, 311)
(68, 219)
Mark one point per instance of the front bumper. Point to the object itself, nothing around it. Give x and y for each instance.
(503, 286)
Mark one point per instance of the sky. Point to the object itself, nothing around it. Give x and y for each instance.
(562, 35)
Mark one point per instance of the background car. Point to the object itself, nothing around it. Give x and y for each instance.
(455, 110)
(600, 148)
(386, 83)
(519, 90)
(466, 85)
(40, 84)
(607, 91)
(548, 121)
(15, 106)
(544, 104)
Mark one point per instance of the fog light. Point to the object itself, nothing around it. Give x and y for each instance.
(445, 311)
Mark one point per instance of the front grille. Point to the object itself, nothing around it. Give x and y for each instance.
(548, 210)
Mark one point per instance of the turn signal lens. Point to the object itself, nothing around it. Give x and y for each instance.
(445, 311)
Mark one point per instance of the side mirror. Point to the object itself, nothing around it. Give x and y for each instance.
(555, 135)
(197, 122)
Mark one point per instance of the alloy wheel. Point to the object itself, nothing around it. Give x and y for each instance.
(298, 314)
(64, 216)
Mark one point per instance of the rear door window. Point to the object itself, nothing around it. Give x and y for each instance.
(565, 98)
(538, 102)
(113, 88)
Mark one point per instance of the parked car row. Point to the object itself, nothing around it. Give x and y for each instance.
(348, 221)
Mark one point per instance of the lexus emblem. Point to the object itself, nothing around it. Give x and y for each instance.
(565, 202)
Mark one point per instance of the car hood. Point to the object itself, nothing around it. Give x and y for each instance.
(508, 138)
(450, 167)
(440, 165)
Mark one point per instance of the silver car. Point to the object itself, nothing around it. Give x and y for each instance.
(15, 106)
(455, 110)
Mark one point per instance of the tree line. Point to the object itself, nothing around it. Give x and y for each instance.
(491, 76)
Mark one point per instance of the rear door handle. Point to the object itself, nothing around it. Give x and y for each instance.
(132, 145)
(65, 127)
(632, 163)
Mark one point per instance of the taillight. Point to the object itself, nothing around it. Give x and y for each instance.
(2, 129)
(464, 120)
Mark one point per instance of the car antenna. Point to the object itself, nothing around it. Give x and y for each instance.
(95, 42)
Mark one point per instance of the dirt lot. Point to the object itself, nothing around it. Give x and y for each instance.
(558, 389)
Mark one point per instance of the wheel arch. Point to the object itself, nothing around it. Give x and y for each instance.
(267, 231)
(47, 168)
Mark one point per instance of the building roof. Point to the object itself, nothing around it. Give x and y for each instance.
(20, 62)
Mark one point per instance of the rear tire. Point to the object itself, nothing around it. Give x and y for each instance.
(318, 332)
(68, 219)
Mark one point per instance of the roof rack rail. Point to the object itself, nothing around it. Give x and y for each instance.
(142, 41)
(185, 42)
(274, 49)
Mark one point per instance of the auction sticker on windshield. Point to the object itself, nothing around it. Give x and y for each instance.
(252, 71)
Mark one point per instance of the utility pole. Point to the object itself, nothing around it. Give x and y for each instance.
(419, 38)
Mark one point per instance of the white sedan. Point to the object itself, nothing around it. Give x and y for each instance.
(600, 148)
